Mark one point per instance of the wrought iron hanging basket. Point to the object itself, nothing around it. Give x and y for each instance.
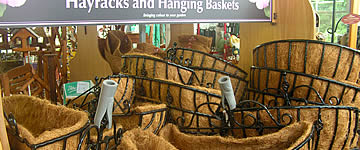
(310, 57)
(152, 67)
(336, 125)
(182, 100)
(209, 69)
(34, 123)
(128, 113)
(301, 86)
(195, 59)
(295, 136)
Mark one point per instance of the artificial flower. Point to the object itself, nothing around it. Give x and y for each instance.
(261, 4)
(13, 3)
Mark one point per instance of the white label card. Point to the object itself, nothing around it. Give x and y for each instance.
(82, 87)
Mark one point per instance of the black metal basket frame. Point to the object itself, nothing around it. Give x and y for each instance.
(125, 69)
(278, 118)
(117, 133)
(257, 49)
(187, 62)
(289, 94)
(218, 114)
(14, 130)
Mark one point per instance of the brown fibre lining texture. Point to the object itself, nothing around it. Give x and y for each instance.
(142, 116)
(39, 121)
(198, 42)
(117, 44)
(212, 77)
(204, 60)
(113, 60)
(119, 41)
(286, 138)
(149, 49)
(204, 76)
(135, 120)
(266, 55)
(347, 92)
(138, 139)
(338, 124)
(106, 132)
(124, 91)
(182, 98)
(137, 66)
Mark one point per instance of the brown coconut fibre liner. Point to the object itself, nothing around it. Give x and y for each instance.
(327, 88)
(339, 123)
(171, 138)
(38, 121)
(310, 57)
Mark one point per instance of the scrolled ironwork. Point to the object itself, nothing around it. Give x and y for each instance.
(289, 94)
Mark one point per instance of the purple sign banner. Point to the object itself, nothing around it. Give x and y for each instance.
(25, 13)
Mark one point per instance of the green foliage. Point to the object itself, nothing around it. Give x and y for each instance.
(325, 10)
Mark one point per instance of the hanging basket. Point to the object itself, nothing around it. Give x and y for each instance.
(197, 60)
(123, 97)
(138, 139)
(34, 123)
(147, 117)
(185, 101)
(336, 125)
(314, 89)
(209, 69)
(149, 66)
(113, 47)
(310, 57)
(295, 136)
(153, 67)
(197, 42)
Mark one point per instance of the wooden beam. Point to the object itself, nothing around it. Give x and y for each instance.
(51, 58)
(64, 56)
(354, 27)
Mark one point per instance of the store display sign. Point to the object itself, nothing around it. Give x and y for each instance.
(74, 89)
(78, 12)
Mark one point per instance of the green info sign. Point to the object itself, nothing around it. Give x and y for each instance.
(17, 13)
(74, 89)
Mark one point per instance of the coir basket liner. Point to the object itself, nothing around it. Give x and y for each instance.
(310, 87)
(153, 67)
(123, 97)
(195, 59)
(295, 136)
(310, 57)
(38, 122)
(191, 106)
(336, 125)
